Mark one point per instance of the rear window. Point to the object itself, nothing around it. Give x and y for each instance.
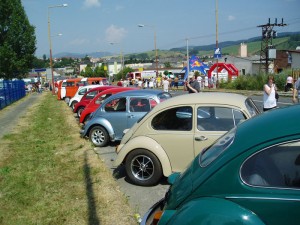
(210, 154)
(252, 108)
(164, 96)
(175, 119)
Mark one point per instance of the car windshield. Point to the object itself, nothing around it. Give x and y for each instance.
(252, 108)
(211, 153)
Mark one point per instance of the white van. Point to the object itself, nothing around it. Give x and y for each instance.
(80, 92)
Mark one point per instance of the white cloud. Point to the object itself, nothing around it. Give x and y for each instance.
(231, 18)
(115, 34)
(92, 3)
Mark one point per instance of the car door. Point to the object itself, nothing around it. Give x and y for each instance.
(173, 130)
(272, 175)
(116, 114)
(137, 108)
(63, 90)
(211, 122)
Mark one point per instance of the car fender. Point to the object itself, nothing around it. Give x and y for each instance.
(213, 211)
(100, 121)
(149, 144)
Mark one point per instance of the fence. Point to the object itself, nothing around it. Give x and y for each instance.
(11, 91)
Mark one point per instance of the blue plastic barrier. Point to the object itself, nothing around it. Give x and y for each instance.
(11, 91)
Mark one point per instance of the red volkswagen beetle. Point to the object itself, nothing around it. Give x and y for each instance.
(98, 99)
(87, 97)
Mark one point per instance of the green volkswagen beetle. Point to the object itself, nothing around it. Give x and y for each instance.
(251, 175)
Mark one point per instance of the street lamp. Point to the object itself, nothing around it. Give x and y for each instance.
(153, 27)
(217, 42)
(50, 42)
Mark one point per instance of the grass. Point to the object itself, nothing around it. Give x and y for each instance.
(49, 175)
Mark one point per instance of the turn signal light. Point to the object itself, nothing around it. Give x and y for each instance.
(156, 217)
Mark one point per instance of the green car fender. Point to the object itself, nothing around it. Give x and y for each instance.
(212, 211)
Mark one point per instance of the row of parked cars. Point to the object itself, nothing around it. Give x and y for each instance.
(227, 163)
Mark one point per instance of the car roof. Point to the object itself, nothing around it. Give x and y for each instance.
(141, 92)
(271, 125)
(89, 86)
(205, 98)
(100, 87)
(115, 89)
(135, 93)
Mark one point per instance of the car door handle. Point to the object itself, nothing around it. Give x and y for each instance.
(131, 116)
(200, 138)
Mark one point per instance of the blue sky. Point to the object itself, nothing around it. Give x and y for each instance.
(91, 25)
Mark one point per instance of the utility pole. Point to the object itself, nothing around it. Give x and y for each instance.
(267, 43)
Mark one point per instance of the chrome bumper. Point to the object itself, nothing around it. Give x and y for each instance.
(149, 215)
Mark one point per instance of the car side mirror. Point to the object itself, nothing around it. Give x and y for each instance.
(173, 177)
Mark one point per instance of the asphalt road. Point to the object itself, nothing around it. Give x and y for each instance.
(142, 198)
(12, 113)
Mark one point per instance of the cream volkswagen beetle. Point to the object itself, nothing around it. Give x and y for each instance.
(168, 138)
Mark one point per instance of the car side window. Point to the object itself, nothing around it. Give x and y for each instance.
(82, 91)
(91, 94)
(218, 118)
(179, 118)
(70, 84)
(277, 166)
(101, 99)
(116, 105)
(140, 105)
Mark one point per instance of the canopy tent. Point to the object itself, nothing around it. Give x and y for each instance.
(230, 68)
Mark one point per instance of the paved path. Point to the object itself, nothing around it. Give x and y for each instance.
(12, 113)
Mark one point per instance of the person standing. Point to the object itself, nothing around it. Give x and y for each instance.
(289, 84)
(193, 86)
(166, 84)
(296, 91)
(270, 89)
(176, 83)
(199, 79)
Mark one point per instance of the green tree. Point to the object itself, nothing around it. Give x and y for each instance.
(99, 71)
(17, 40)
(122, 74)
(167, 65)
(39, 63)
(88, 71)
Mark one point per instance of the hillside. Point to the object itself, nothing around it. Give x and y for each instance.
(284, 41)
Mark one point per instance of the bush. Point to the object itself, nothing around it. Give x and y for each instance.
(254, 82)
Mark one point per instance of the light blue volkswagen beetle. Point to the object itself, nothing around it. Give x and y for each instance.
(120, 112)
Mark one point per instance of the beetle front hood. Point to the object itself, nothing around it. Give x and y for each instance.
(182, 187)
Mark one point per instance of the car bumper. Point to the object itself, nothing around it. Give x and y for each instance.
(148, 217)
(81, 132)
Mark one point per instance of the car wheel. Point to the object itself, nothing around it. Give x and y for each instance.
(143, 167)
(73, 104)
(79, 111)
(99, 136)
